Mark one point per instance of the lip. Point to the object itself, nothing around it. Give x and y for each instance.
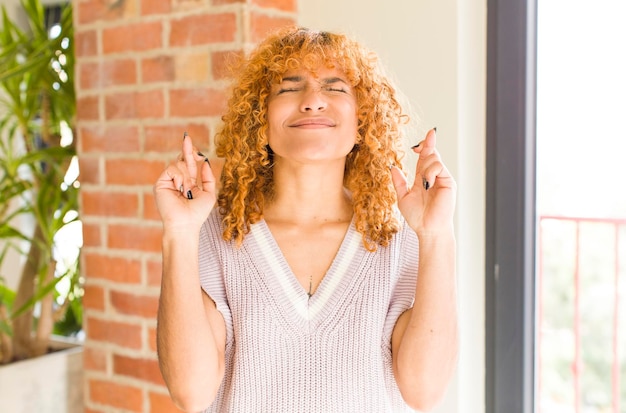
(313, 123)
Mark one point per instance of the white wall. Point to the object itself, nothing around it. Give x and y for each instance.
(436, 52)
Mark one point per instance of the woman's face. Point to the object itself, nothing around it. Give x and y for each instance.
(312, 117)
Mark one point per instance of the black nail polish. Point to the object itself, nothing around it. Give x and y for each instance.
(207, 161)
(185, 135)
(425, 184)
(435, 129)
(416, 146)
(201, 154)
(189, 194)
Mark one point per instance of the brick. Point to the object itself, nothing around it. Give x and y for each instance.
(91, 236)
(192, 67)
(262, 24)
(133, 237)
(85, 43)
(94, 298)
(94, 359)
(133, 171)
(110, 139)
(197, 102)
(152, 339)
(151, 7)
(91, 11)
(115, 269)
(143, 369)
(149, 207)
(158, 69)
(220, 62)
(132, 37)
(122, 334)
(120, 106)
(284, 5)
(109, 204)
(168, 138)
(88, 108)
(203, 29)
(115, 395)
(89, 169)
(161, 403)
(155, 270)
(134, 304)
(115, 72)
(149, 104)
(88, 75)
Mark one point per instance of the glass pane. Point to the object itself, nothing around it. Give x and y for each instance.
(581, 206)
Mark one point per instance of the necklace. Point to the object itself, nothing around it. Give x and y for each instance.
(310, 293)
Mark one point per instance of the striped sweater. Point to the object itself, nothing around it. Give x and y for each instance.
(286, 352)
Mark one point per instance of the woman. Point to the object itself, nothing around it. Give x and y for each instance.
(295, 287)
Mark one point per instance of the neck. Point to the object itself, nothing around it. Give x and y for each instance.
(309, 194)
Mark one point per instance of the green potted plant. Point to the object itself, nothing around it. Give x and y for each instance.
(37, 104)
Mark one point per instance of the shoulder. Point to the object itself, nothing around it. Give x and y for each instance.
(405, 233)
(211, 233)
(405, 244)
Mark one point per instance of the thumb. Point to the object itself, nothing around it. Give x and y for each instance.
(400, 182)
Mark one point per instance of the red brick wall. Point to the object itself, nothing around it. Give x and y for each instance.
(147, 70)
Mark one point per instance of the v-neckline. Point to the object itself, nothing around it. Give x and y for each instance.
(283, 283)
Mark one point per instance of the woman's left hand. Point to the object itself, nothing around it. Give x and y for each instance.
(428, 206)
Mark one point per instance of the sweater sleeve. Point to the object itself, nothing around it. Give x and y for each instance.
(404, 257)
(211, 255)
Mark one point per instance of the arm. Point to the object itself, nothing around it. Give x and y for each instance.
(190, 330)
(191, 335)
(425, 338)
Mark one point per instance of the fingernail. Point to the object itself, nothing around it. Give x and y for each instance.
(416, 146)
(185, 134)
(207, 161)
(201, 154)
(189, 194)
(181, 189)
(435, 129)
(425, 183)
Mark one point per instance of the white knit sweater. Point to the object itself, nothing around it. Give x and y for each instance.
(286, 352)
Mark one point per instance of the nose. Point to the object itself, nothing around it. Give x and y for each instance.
(313, 100)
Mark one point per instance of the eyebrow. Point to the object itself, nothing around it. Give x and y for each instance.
(325, 81)
(294, 79)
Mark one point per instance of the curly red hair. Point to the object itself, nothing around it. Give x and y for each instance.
(247, 181)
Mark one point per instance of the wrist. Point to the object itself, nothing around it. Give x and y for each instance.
(445, 233)
(180, 235)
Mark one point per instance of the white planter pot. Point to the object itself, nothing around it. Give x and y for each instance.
(52, 383)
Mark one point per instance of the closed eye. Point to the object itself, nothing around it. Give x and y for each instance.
(287, 89)
(335, 89)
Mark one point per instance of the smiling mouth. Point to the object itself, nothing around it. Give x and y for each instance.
(313, 123)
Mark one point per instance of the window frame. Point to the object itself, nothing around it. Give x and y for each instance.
(510, 207)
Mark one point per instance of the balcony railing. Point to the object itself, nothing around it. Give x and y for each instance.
(580, 357)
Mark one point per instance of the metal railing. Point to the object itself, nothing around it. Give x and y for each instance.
(570, 235)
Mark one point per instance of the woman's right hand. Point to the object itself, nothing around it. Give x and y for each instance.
(185, 192)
